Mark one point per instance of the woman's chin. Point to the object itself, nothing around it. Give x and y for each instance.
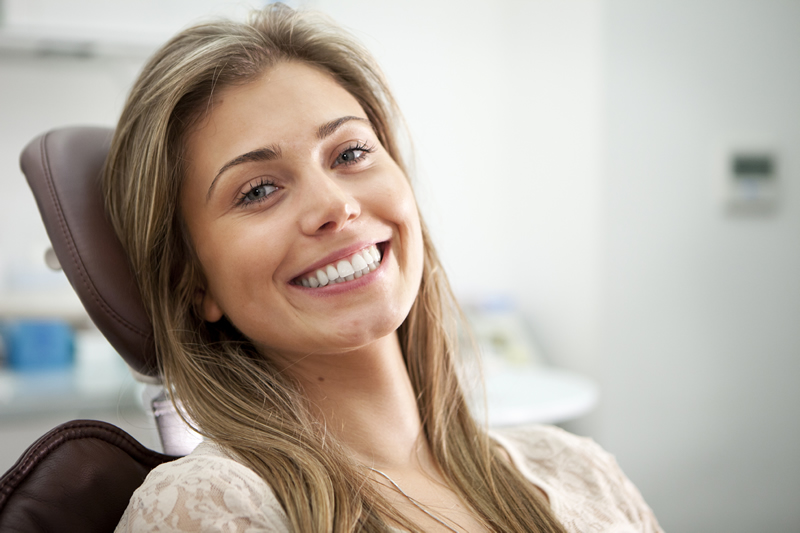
(337, 339)
(346, 339)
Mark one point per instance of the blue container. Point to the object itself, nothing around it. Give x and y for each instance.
(39, 345)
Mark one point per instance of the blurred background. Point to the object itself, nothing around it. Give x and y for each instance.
(624, 174)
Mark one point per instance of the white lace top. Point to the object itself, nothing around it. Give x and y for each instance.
(208, 491)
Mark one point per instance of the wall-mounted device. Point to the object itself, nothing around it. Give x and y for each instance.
(750, 178)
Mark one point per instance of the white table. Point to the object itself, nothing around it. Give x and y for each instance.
(537, 394)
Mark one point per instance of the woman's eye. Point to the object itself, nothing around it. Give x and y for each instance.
(257, 193)
(352, 155)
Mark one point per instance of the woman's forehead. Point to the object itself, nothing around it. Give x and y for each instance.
(287, 98)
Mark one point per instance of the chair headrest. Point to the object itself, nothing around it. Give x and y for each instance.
(63, 168)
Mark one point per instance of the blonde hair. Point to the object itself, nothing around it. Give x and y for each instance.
(237, 397)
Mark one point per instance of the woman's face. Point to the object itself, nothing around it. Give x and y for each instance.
(287, 186)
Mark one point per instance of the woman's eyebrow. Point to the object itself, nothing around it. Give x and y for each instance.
(329, 128)
(260, 154)
(274, 152)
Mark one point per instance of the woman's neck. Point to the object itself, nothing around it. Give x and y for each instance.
(365, 399)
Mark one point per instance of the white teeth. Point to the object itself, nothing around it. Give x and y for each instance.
(359, 264)
(322, 277)
(345, 269)
(331, 272)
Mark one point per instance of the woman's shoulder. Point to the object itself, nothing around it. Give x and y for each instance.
(551, 444)
(585, 485)
(206, 490)
(557, 457)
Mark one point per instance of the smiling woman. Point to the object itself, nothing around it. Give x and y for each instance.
(300, 313)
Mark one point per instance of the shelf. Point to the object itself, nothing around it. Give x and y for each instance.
(79, 42)
(61, 303)
(73, 390)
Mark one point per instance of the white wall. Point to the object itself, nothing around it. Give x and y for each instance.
(701, 370)
(38, 94)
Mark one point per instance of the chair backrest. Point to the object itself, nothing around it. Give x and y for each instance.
(77, 477)
(63, 168)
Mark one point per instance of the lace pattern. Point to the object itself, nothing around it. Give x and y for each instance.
(204, 491)
(587, 490)
(208, 491)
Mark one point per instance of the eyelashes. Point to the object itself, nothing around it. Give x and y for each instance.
(353, 154)
(257, 193)
(261, 189)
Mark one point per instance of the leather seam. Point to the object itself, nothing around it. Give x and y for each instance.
(73, 249)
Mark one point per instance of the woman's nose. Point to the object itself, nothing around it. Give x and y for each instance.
(328, 206)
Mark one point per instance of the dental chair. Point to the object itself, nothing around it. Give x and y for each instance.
(80, 475)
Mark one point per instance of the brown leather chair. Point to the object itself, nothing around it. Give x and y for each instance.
(77, 477)
(80, 475)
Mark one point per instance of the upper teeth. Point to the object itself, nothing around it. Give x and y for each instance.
(353, 267)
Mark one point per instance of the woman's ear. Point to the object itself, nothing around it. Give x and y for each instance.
(209, 307)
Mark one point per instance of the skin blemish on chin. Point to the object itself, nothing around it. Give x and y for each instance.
(320, 378)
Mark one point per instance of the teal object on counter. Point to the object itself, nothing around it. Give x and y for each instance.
(39, 345)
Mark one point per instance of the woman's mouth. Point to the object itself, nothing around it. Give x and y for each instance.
(359, 264)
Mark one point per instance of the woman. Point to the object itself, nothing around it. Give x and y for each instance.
(300, 312)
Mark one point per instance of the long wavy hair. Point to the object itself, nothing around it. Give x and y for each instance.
(235, 396)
